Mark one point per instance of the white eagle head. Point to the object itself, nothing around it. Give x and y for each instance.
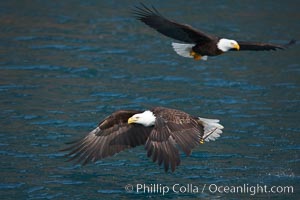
(146, 118)
(226, 44)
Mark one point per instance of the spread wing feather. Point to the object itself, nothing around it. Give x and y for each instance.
(181, 32)
(260, 46)
(172, 128)
(110, 137)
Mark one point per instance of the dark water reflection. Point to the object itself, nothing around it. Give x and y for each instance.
(66, 64)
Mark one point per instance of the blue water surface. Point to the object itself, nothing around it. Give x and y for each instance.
(65, 65)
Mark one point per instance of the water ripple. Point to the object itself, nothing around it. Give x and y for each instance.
(65, 66)
(10, 185)
(110, 191)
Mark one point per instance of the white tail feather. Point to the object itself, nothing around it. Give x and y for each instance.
(212, 129)
(183, 49)
(204, 58)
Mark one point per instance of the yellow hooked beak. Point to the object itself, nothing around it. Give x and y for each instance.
(131, 120)
(236, 46)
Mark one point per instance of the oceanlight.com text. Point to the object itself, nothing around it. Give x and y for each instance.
(208, 188)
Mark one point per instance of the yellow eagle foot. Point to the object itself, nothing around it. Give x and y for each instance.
(195, 55)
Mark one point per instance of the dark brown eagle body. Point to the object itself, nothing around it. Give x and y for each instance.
(172, 128)
(208, 49)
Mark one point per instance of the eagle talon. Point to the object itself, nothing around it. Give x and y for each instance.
(201, 141)
(192, 53)
(195, 55)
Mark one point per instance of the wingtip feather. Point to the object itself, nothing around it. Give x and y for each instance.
(291, 42)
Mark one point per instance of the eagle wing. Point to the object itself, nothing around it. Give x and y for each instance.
(169, 28)
(111, 136)
(172, 128)
(260, 46)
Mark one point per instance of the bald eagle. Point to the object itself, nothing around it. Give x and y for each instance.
(198, 45)
(161, 130)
